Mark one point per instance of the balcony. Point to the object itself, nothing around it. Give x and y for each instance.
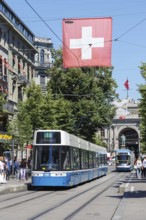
(21, 80)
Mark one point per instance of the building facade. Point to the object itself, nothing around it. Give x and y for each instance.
(17, 61)
(125, 128)
(43, 61)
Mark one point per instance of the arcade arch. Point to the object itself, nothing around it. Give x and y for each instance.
(131, 140)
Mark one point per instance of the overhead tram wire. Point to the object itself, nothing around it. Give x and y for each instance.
(51, 29)
(132, 44)
(77, 57)
(116, 39)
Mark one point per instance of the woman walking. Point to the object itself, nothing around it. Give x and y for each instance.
(139, 168)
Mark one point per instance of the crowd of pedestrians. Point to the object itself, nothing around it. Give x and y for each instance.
(140, 167)
(19, 169)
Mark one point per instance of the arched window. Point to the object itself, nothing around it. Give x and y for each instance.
(41, 56)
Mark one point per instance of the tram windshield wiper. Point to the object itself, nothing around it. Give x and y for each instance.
(49, 167)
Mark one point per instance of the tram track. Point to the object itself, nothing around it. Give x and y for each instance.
(36, 197)
(26, 200)
(72, 214)
(87, 203)
(53, 201)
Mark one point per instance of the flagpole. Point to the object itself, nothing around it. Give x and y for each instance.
(126, 84)
(127, 94)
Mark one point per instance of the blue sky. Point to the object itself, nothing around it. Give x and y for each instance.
(129, 26)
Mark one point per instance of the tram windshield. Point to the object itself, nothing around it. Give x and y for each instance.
(47, 158)
(122, 158)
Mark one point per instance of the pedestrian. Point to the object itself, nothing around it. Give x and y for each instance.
(29, 164)
(2, 172)
(23, 170)
(10, 166)
(139, 167)
(135, 167)
(144, 166)
(8, 169)
(16, 168)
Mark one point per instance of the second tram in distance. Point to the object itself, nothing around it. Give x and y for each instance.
(62, 159)
(124, 160)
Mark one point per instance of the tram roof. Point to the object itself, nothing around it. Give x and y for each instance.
(74, 141)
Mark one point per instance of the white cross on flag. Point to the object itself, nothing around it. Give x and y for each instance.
(87, 42)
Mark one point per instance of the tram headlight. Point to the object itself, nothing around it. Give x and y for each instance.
(36, 174)
(58, 174)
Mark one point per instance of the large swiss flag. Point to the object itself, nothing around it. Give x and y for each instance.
(87, 42)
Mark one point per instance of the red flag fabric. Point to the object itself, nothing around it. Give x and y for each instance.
(87, 42)
(126, 84)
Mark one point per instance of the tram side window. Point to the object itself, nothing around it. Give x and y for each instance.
(95, 159)
(84, 159)
(65, 158)
(91, 161)
(75, 158)
(100, 160)
(105, 159)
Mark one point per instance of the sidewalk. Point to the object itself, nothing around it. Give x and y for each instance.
(14, 185)
(133, 204)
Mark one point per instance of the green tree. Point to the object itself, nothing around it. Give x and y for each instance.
(28, 117)
(20, 128)
(78, 100)
(25, 127)
(142, 108)
(2, 102)
(3, 111)
(33, 105)
(56, 112)
(90, 92)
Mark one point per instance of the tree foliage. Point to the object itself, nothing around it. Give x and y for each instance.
(90, 92)
(142, 108)
(78, 100)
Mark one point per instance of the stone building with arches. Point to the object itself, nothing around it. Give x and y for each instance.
(125, 128)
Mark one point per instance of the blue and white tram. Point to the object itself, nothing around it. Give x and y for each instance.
(62, 159)
(124, 160)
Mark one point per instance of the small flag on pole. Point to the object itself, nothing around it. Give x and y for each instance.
(126, 84)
